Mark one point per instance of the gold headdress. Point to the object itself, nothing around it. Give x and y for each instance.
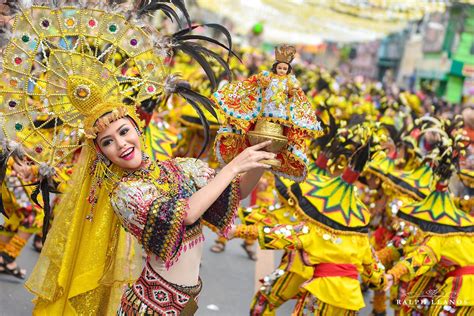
(68, 54)
(285, 54)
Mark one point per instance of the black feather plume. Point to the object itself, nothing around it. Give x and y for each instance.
(361, 156)
(331, 131)
(144, 7)
(197, 101)
(189, 94)
(190, 45)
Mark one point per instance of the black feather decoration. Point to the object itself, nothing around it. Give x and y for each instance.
(189, 94)
(197, 101)
(207, 52)
(149, 105)
(182, 7)
(192, 52)
(361, 156)
(4, 157)
(331, 131)
(210, 40)
(204, 123)
(145, 7)
(47, 206)
(178, 36)
(44, 187)
(48, 124)
(187, 43)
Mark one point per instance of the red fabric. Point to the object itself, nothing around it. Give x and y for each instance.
(253, 197)
(441, 187)
(382, 235)
(335, 269)
(470, 133)
(461, 271)
(322, 161)
(144, 116)
(350, 176)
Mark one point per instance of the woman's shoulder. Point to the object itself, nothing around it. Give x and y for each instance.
(129, 188)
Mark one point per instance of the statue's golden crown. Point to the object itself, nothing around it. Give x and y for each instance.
(285, 53)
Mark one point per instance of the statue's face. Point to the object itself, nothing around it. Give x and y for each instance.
(281, 69)
(120, 143)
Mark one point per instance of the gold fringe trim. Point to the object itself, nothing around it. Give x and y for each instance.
(103, 122)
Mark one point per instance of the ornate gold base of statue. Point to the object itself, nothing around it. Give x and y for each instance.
(265, 130)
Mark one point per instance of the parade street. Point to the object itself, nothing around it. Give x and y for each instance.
(228, 280)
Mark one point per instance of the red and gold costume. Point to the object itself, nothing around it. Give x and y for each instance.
(272, 97)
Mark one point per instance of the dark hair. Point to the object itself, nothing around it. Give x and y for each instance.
(274, 67)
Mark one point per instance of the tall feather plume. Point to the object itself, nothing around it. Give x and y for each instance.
(148, 7)
(174, 84)
(394, 133)
(184, 42)
(451, 148)
(361, 156)
(330, 131)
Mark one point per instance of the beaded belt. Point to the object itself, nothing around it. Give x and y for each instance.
(153, 295)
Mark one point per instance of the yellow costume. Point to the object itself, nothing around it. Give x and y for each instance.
(440, 273)
(285, 282)
(69, 54)
(334, 220)
(448, 230)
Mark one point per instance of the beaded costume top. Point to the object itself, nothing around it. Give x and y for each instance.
(151, 204)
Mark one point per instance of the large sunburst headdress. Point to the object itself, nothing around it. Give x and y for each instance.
(75, 63)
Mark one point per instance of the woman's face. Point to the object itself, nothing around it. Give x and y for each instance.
(282, 69)
(120, 143)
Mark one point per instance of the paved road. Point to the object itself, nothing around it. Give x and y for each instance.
(228, 284)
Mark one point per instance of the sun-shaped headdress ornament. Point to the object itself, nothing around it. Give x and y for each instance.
(73, 64)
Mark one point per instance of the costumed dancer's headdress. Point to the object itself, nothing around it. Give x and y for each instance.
(383, 163)
(63, 61)
(437, 213)
(418, 183)
(333, 203)
(285, 54)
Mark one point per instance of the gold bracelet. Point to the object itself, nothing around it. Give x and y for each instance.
(249, 232)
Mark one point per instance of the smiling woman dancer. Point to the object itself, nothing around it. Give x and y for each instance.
(87, 259)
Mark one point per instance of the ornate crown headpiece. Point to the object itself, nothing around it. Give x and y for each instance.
(285, 53)
(74, 64)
